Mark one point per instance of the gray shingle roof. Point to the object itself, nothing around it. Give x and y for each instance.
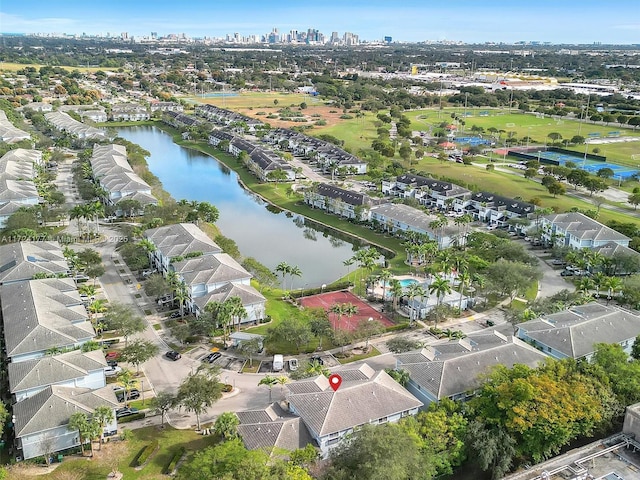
(210, 269)
(445, 372)
(53, 406)
(180, 239)
(583, 227)
(35, 319)
(361, 402)
(574, 332)
(50, 370)
(272, 427)
(21, 261)
(248, 295)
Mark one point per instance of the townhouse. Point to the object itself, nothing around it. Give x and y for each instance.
(400, 218)
(578, 231)
(129, 112)
(493, 209)
(209, 274)
(428, 191)
(65, 123)
(39, 319)
(573, 333)
(9, 133)
(336, 200)
(453, 369)
(112, 171)
(364, 397)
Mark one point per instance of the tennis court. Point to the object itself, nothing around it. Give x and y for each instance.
(473, 141)
(620, 172)
(327, 300)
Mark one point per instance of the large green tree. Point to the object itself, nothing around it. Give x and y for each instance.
(199, 391)
(384, 452)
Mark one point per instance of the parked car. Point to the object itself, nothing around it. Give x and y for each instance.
(173, 355)
(125, 412)
(148, 273)
(567, 273)
(112, 371)
(80, 277)
(317, 359)
(212, 357)
(175, 315)
(134, 393)
(293, 364)
(112, 355)
(112, 363)
(558, 261)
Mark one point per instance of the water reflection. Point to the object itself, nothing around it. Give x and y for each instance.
(261, 230)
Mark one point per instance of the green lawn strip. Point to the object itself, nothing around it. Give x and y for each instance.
(532, 292)
(354, 358)
(357, 133)
(169, 441)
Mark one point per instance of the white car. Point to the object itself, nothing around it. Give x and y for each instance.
(293, 364)
(112, 371)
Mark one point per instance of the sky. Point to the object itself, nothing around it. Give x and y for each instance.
(470, 21)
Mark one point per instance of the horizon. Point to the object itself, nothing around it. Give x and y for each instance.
(410, 21)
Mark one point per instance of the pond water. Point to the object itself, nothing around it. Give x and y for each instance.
(260, 230)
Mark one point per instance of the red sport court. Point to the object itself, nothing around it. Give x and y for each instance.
(365, 311)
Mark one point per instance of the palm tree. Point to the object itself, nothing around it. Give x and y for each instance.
(338, 309)
(350, 310)
(347, 263)
(599, 280)
(282, 381)
(440, 286)
(283, 269)
(613, 285)
(80, 423)
(414, 290)
(96, 307)
(385, 275)
(269, 381)
(464, 278)
(128, 381)
(585, 285)
(396, 291)
(294, 271)
(181, 294)
(445, 260)
(236, 310)
(222, 315)
(147, 245)
(103, 415)
(226, 425)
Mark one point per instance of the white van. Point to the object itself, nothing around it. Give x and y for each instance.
(278, 363)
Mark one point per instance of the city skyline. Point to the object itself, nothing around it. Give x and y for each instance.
(467, 21)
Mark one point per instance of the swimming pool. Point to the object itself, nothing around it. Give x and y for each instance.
(405, 282)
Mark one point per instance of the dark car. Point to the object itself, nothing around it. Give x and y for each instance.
(212, 357)
(134, 394)
(317, 360)
(125, 412)
(173, 355)
(175, 315)
(112, 363)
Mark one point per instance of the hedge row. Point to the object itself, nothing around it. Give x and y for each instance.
(314, 291)
(130, 418)
(174, 461)
(400, 326)
(145, 454)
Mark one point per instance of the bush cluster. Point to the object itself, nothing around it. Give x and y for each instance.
(145, 453)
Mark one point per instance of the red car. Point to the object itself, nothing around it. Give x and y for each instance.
(112, 355)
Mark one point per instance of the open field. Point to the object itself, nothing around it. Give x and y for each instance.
(12, 67)
(537, 128)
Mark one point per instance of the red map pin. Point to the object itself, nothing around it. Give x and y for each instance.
(335, 381)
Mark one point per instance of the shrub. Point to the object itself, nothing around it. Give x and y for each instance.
(401, 345)
(346, 116)
(227, 388)
(174, 461)
(145, 454)
(394, 328)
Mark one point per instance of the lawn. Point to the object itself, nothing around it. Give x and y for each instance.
(13, 67)
(373, 352)
(122, 454)
(357, 133)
